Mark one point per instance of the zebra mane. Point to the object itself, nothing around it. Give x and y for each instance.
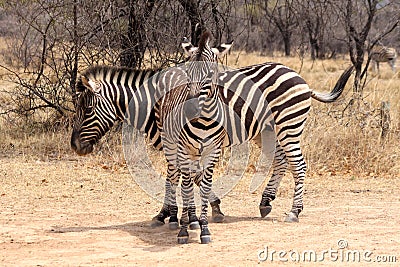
(99, 72)
(205, 36)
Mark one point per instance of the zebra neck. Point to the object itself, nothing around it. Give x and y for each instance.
(135, 106)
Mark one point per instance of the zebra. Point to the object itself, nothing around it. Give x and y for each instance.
(383, 54)
(271, 96)
(102, 99)
(103, 95)
(191, 123)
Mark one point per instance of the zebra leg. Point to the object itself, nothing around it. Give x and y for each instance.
(183, 235)
(205, 189)
(193, 220)
(188, 206)
(173, 219)
(217, 215)
(392, 64)
(279, 166)
(164, 213)
(173, 178)
(170, 207)
(298, 168)
(375, 66)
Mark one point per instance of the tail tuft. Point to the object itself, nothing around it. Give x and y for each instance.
(337, 90)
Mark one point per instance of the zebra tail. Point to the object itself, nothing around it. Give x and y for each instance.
(337, 90)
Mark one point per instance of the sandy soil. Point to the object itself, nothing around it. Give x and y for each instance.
(74, 212)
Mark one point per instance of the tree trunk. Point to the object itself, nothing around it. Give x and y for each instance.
(218, 33)
(134, 43)
(356, 40)
(287, 43)
(196, 23)
(314, 48)
(321, 49)
(74, 71)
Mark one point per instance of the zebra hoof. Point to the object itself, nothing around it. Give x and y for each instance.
(265, 210)
(291, 218)
(156, 223)
(183, 236)
(205, 239)
(183, 240)
(205, 235)
(194, 225)
(173, 225)
(218, 218)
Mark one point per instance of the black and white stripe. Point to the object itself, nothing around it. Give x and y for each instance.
(271, 95)
(262, 96)
(384, 54)
(190, 116)
(103, 97)
(104, 94)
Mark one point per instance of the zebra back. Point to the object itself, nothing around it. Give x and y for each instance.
(383, 53)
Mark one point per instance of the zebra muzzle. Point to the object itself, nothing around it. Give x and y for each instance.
(192, 110)
(81, 148)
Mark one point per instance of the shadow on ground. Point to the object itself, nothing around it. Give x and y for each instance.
(161, 237)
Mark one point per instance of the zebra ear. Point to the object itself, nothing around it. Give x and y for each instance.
(222, 49)
(80, 84)
(188, 47)
(93, 86)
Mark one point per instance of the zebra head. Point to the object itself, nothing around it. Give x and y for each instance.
(94, 115)
(202, 67)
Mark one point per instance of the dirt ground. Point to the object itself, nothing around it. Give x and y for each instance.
(73, 212)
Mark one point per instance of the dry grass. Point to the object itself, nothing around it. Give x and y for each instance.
(346, 145)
